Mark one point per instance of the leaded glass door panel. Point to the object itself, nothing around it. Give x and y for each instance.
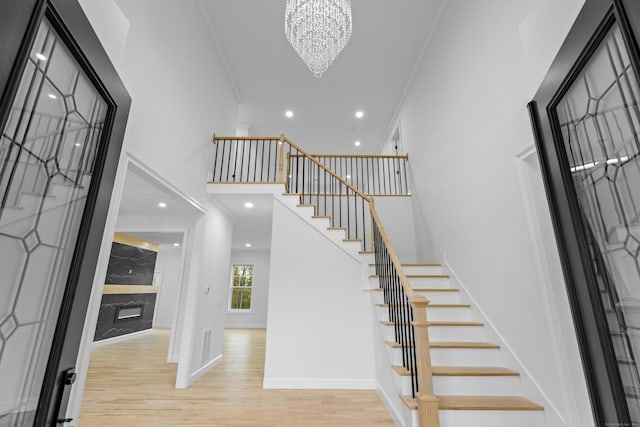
(586, 118)
(60, 137)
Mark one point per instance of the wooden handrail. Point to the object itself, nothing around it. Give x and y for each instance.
(326, 169)
(427, 402)
(217, 138)
(368, 156)
(392, 254)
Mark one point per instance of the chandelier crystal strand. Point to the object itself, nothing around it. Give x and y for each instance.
(318, 30)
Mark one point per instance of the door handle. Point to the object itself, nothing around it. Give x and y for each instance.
(69, 378)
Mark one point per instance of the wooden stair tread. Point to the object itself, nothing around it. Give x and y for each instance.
(479, 403)
(424, 289)
(412, 265)
(366, 252)
(449, 323)
(321, 217)
(422, 265)
(463, 371)
(352, 240)
(438, 323)
(394, 344)
(306, 206)
(450, 344)
(336, 228)
(473, 371)
(415, 276)
(488, 403)
(431, 305)
(462, 344)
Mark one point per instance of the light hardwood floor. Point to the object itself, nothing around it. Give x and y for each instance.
(130, 384)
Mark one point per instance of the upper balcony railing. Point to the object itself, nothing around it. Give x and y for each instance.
(374, 175)
(341, 195)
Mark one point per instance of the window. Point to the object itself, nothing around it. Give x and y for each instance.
(241, 285)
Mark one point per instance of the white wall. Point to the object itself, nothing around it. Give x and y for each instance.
(464, 120)
(168, 262)
(257, 317)
(181, 95)
(396, 215)
(319, 329)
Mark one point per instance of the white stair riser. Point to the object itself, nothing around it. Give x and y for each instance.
(452, 314)
(336, 235)
(451, 418)
(456, 333)
(422, 270)
(291, 201)
(306, 212)
(466, 357)
(367, 258)
(477, 386)
(436, 314)
(388, 332)
(419, 282)
(440, 297)
(321, 224)
(433, 297)
(395, 355)
(352, 246)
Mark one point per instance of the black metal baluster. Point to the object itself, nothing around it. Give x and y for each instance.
(235, 161)
(406, 183)
(262, 163)
(255, 161)
(269, 162)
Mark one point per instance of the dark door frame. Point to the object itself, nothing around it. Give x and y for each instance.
(19, 21)
(596, 348)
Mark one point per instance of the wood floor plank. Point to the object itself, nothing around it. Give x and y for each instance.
(130, 384)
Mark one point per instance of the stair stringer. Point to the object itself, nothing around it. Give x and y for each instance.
(529, 387)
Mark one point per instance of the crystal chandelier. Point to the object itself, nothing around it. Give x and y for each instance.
(318, 30)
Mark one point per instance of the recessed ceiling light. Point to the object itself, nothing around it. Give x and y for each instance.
(348, 176)
(289, 113)
(248, 205)
(162, 205)
(78, 144)
(357, 143)
(41, 57)
(176, 244)
(359, 114)
(52, 96)
(248, 245)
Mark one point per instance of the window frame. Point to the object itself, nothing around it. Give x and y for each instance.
(231, 288)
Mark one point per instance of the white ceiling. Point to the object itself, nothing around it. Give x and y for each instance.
(370, 74)
(164, 238)
(249, 225)
(142, 195)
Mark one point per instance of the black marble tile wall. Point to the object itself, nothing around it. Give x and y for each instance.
(108, 326)
(129, 265)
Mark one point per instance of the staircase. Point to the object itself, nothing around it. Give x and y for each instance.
(472, 386)
(449, 376)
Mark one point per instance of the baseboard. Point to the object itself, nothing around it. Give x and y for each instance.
(204, 369)
(393, 409)
(320, 383)
(120, 338)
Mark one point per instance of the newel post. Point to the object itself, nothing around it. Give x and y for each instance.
(281, 159)
(427, 403)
